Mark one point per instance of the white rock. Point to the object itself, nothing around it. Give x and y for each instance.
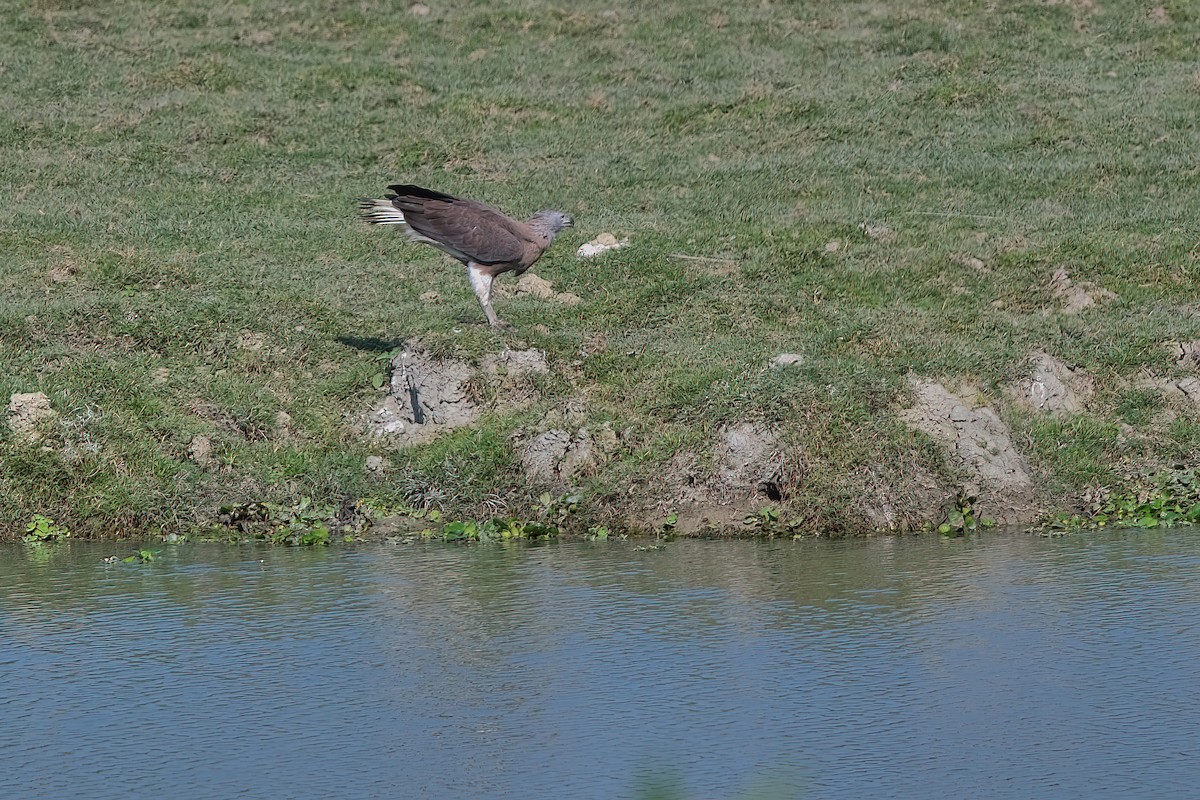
(601, 244)
(787, 360)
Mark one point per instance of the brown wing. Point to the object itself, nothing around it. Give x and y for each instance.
(468, 230)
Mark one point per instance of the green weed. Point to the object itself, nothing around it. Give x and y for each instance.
(962, 518)
(1160, 499)
(765, 520)
(141, 556)
(41, 530)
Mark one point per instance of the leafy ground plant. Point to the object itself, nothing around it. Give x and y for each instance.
(1160, 499)
(494, 530)
(303, 524)
(962, 517)
(764, 520)
(41, 529)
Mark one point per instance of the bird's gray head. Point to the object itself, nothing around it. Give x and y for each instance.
(550, 222)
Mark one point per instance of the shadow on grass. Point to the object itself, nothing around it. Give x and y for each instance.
(370, 343)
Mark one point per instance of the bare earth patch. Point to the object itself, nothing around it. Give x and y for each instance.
(1054, 387)
(557, 456)
(542, 289)
(750, 469)
(429, 396)
(25, 412)
(900, 499)
(1075, 297)
(1185, 391)
(979, 444)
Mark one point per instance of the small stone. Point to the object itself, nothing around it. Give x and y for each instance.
(878, 232)
(601, 244)
(833, 246)
(419, 10)
(374, 463)
(787, 360)
(200, 451)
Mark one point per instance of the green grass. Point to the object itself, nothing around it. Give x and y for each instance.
(179, 253)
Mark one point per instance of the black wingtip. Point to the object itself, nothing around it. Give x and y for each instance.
(409, 190)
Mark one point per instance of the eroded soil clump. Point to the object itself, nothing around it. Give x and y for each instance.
(26, 411)
(748, 468)
(979, 445)
(1054, 387)
(429, 396)
(558, 456)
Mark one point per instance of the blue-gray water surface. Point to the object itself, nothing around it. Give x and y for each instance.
(988, 667)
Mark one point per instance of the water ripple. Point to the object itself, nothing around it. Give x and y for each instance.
(991, 667)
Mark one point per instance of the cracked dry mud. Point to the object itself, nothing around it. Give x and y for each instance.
(980, 446)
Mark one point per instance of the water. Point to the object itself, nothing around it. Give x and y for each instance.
(990, 667)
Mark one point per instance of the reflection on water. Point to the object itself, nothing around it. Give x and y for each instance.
(986, 667)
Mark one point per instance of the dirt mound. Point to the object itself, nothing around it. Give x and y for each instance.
(747, 469)
(429, 396)
(540, 288)
(1075, 297)
(1187, 354)
(784, 360)
(979, 445)
(1054, 388)
(25, 412)
(558, 456)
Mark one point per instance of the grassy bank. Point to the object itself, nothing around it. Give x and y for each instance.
(884, 188)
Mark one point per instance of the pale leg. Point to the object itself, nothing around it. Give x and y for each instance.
(481, 282)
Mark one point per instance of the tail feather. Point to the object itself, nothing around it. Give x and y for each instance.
(380, 212)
